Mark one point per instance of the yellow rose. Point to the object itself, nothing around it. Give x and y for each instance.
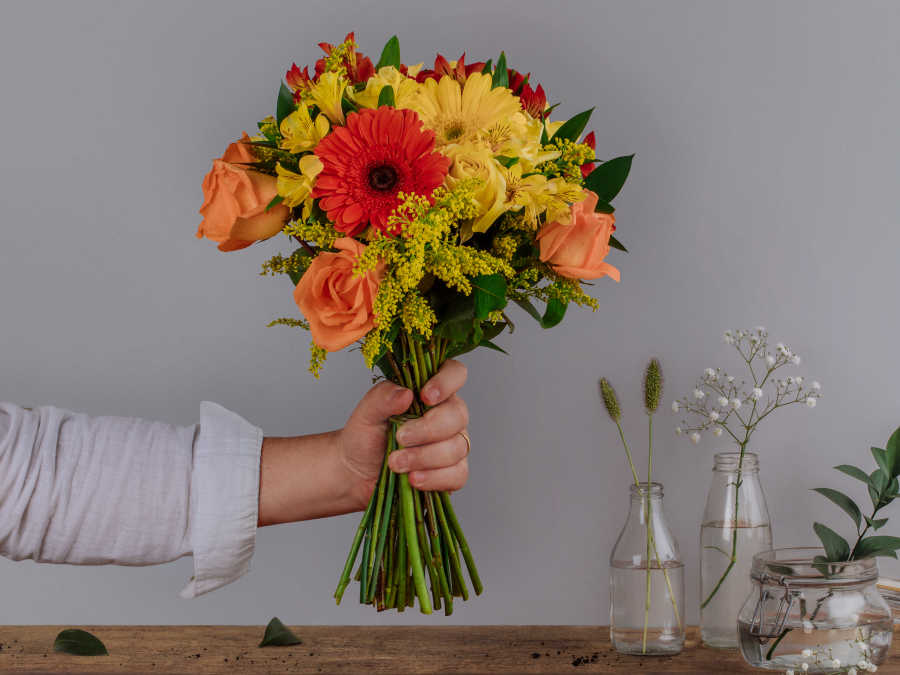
(476, 161)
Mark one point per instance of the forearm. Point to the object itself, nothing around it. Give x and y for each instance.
(304, 477)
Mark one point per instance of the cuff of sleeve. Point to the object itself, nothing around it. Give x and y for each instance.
(224, 498)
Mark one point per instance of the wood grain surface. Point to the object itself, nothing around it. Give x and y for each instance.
(359, 649)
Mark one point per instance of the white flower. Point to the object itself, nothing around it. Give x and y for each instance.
(731, 378)
(717, 431)
(728, 338)
(736, 403)
(852, 671)
(872, 667)
(807, 626)
(699, 395)
(675, 406)
(789, 671)
(770, 360)
(810, 402)
(835, 663)
(806, 653)
(804, 666)
(760, 329)
(723, 401)
(757, 393)
(678, 431)
(695, 437)
(709, 372)
(816, 385)
(862, 664)
(714, 415)
(790, 380)
(798, 380)
(795, 360)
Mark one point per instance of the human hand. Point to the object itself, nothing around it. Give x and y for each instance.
(433, 449)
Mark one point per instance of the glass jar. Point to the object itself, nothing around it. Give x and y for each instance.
(646, 580)
(735, 527)
(827, 616)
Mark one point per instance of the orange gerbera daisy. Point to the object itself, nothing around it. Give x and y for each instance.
(378, 154)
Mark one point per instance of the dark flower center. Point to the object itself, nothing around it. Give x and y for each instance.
(383, 177)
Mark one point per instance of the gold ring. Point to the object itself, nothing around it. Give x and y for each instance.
(468, 441)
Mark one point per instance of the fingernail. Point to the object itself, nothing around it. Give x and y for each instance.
(399, 462)
(417, 477)
(402, 435)
(432, 393)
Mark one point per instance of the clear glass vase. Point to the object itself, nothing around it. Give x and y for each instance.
(829, 617)
(735, 527)
(646, 580)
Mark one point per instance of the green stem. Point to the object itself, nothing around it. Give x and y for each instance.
(454, 558)
(354, 551)
(414, 556)
(463, 544)
(382, 534)
(423, 546)
(437, 555)
(734, 529)
(649, 515)
(379, 516)
(402, 570)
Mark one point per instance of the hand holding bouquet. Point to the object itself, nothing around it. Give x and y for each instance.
(421, 202)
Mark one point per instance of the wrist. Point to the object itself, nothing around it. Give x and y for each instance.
(358, 485)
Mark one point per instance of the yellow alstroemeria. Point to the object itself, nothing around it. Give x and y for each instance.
(476, 161)
(299, 132)
(327, 94)
(405, 89)
(534, 194)
(295, 188)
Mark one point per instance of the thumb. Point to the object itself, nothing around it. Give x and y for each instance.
(380, 402)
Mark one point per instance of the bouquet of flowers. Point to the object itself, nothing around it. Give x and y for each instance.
(421, 202)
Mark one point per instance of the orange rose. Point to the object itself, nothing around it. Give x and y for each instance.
(235, 200)
(338, 304)
(576, 249)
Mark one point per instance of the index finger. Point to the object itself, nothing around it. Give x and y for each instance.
(448, 380)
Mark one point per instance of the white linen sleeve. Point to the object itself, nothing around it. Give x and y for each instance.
(114, 490)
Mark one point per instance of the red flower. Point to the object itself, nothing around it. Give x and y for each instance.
(366, 163)
(298, 80)
(591, 141)
(534, 101)
(359, 67)
(442, 67)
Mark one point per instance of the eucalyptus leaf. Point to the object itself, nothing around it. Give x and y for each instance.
(390, 55)
(572, 128)
(868, 547)
(285, 104)
(80, 642)
(836, 547)
(854, 472)
(279, 635)
(608, 178)
(501, 75)
(881, 457)
(842, 500)
(386, 97)
(876, 523)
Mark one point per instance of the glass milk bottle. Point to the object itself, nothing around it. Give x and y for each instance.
(646, 580)
(735, 527)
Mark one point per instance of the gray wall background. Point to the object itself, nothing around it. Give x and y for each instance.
(764, 191)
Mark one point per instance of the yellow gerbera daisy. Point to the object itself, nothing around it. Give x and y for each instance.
(460, 114)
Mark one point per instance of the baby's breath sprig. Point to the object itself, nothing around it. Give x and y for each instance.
(721, 404)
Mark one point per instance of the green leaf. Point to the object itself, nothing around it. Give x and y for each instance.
(842, 500)
(529, 307)
(882, 459)
(876, 523)
(893, 452)
(456, 322)
(820, 562)
(491, 345)
(390, 55)
(544, 137)
(556, 310)
(386, 97)
(878, 486)
(608, 178)
(279, 635)
(501, 76)
(276, 200)
(615, 243)
(506, 161)
(836, 547)
(489, 292)
(604, 207)
(285, 104)
(854, 472)
(573, 127)
(488, 68)
(867, 547)
(80, 642)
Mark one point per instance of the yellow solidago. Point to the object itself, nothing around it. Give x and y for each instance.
(268, 128)
(295, 264)
(417, 315)
(571, 157)
(505, 247)
(317, 356)
(300, 133)
(337, 58)
(327, 93)
(322, 234)
(406, 89)
(295, 188)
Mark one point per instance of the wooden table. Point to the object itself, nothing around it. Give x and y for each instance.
(359, 649)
